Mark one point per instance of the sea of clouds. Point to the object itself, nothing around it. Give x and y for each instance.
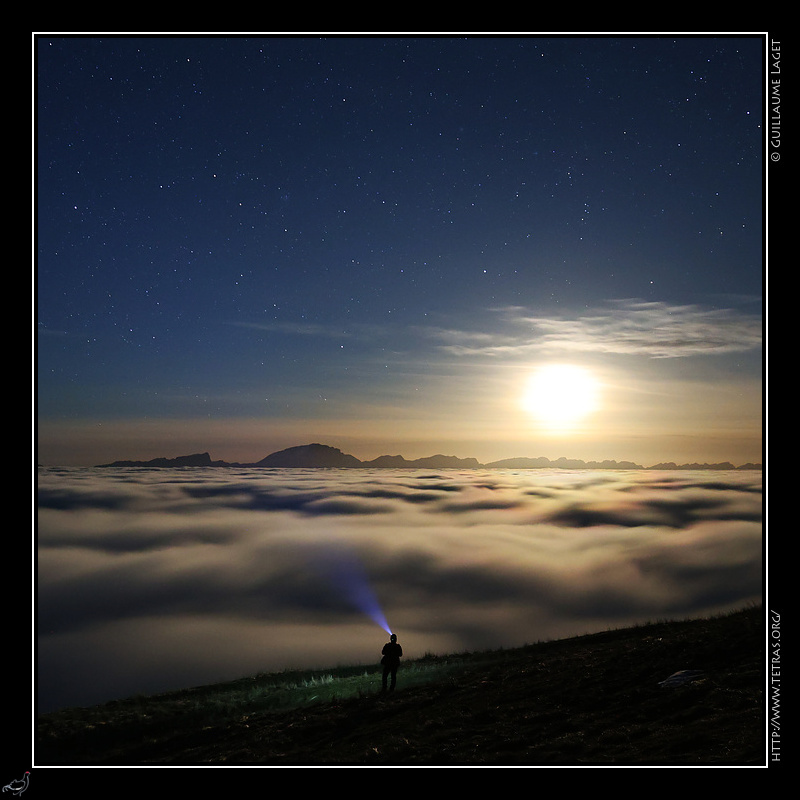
(150, 580)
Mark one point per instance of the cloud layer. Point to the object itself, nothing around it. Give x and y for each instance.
(630, 327)
(155, 579)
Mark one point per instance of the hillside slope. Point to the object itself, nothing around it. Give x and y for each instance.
(592, 700)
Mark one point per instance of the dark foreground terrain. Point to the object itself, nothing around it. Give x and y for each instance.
(593, 700)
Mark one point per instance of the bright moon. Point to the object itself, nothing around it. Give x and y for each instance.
(561, 395)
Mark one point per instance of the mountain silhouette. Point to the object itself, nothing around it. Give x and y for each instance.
(309, 455)
(196, 460)
(322, 456)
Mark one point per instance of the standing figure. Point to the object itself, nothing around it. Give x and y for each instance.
(392, 653)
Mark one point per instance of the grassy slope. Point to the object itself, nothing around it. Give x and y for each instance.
(590, 700)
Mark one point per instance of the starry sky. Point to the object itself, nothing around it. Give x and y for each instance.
(245, 243)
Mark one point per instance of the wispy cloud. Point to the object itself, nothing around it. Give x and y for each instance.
(313, 329)
(625, 327)
(294, 328)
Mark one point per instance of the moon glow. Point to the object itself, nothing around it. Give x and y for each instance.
(560, 396)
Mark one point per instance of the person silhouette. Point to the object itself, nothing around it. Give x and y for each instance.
(392, 653)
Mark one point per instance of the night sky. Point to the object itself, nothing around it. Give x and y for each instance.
(245, 243)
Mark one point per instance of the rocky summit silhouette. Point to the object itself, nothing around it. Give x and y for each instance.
(309, 455)
(322, 456)
(196, 460)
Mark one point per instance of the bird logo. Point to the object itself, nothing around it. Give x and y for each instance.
(18, 787)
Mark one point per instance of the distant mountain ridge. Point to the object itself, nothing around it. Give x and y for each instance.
(321, 456)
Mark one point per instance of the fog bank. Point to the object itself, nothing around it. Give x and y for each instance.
(150, 580)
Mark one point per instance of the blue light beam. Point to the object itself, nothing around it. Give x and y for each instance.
(347, 575)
